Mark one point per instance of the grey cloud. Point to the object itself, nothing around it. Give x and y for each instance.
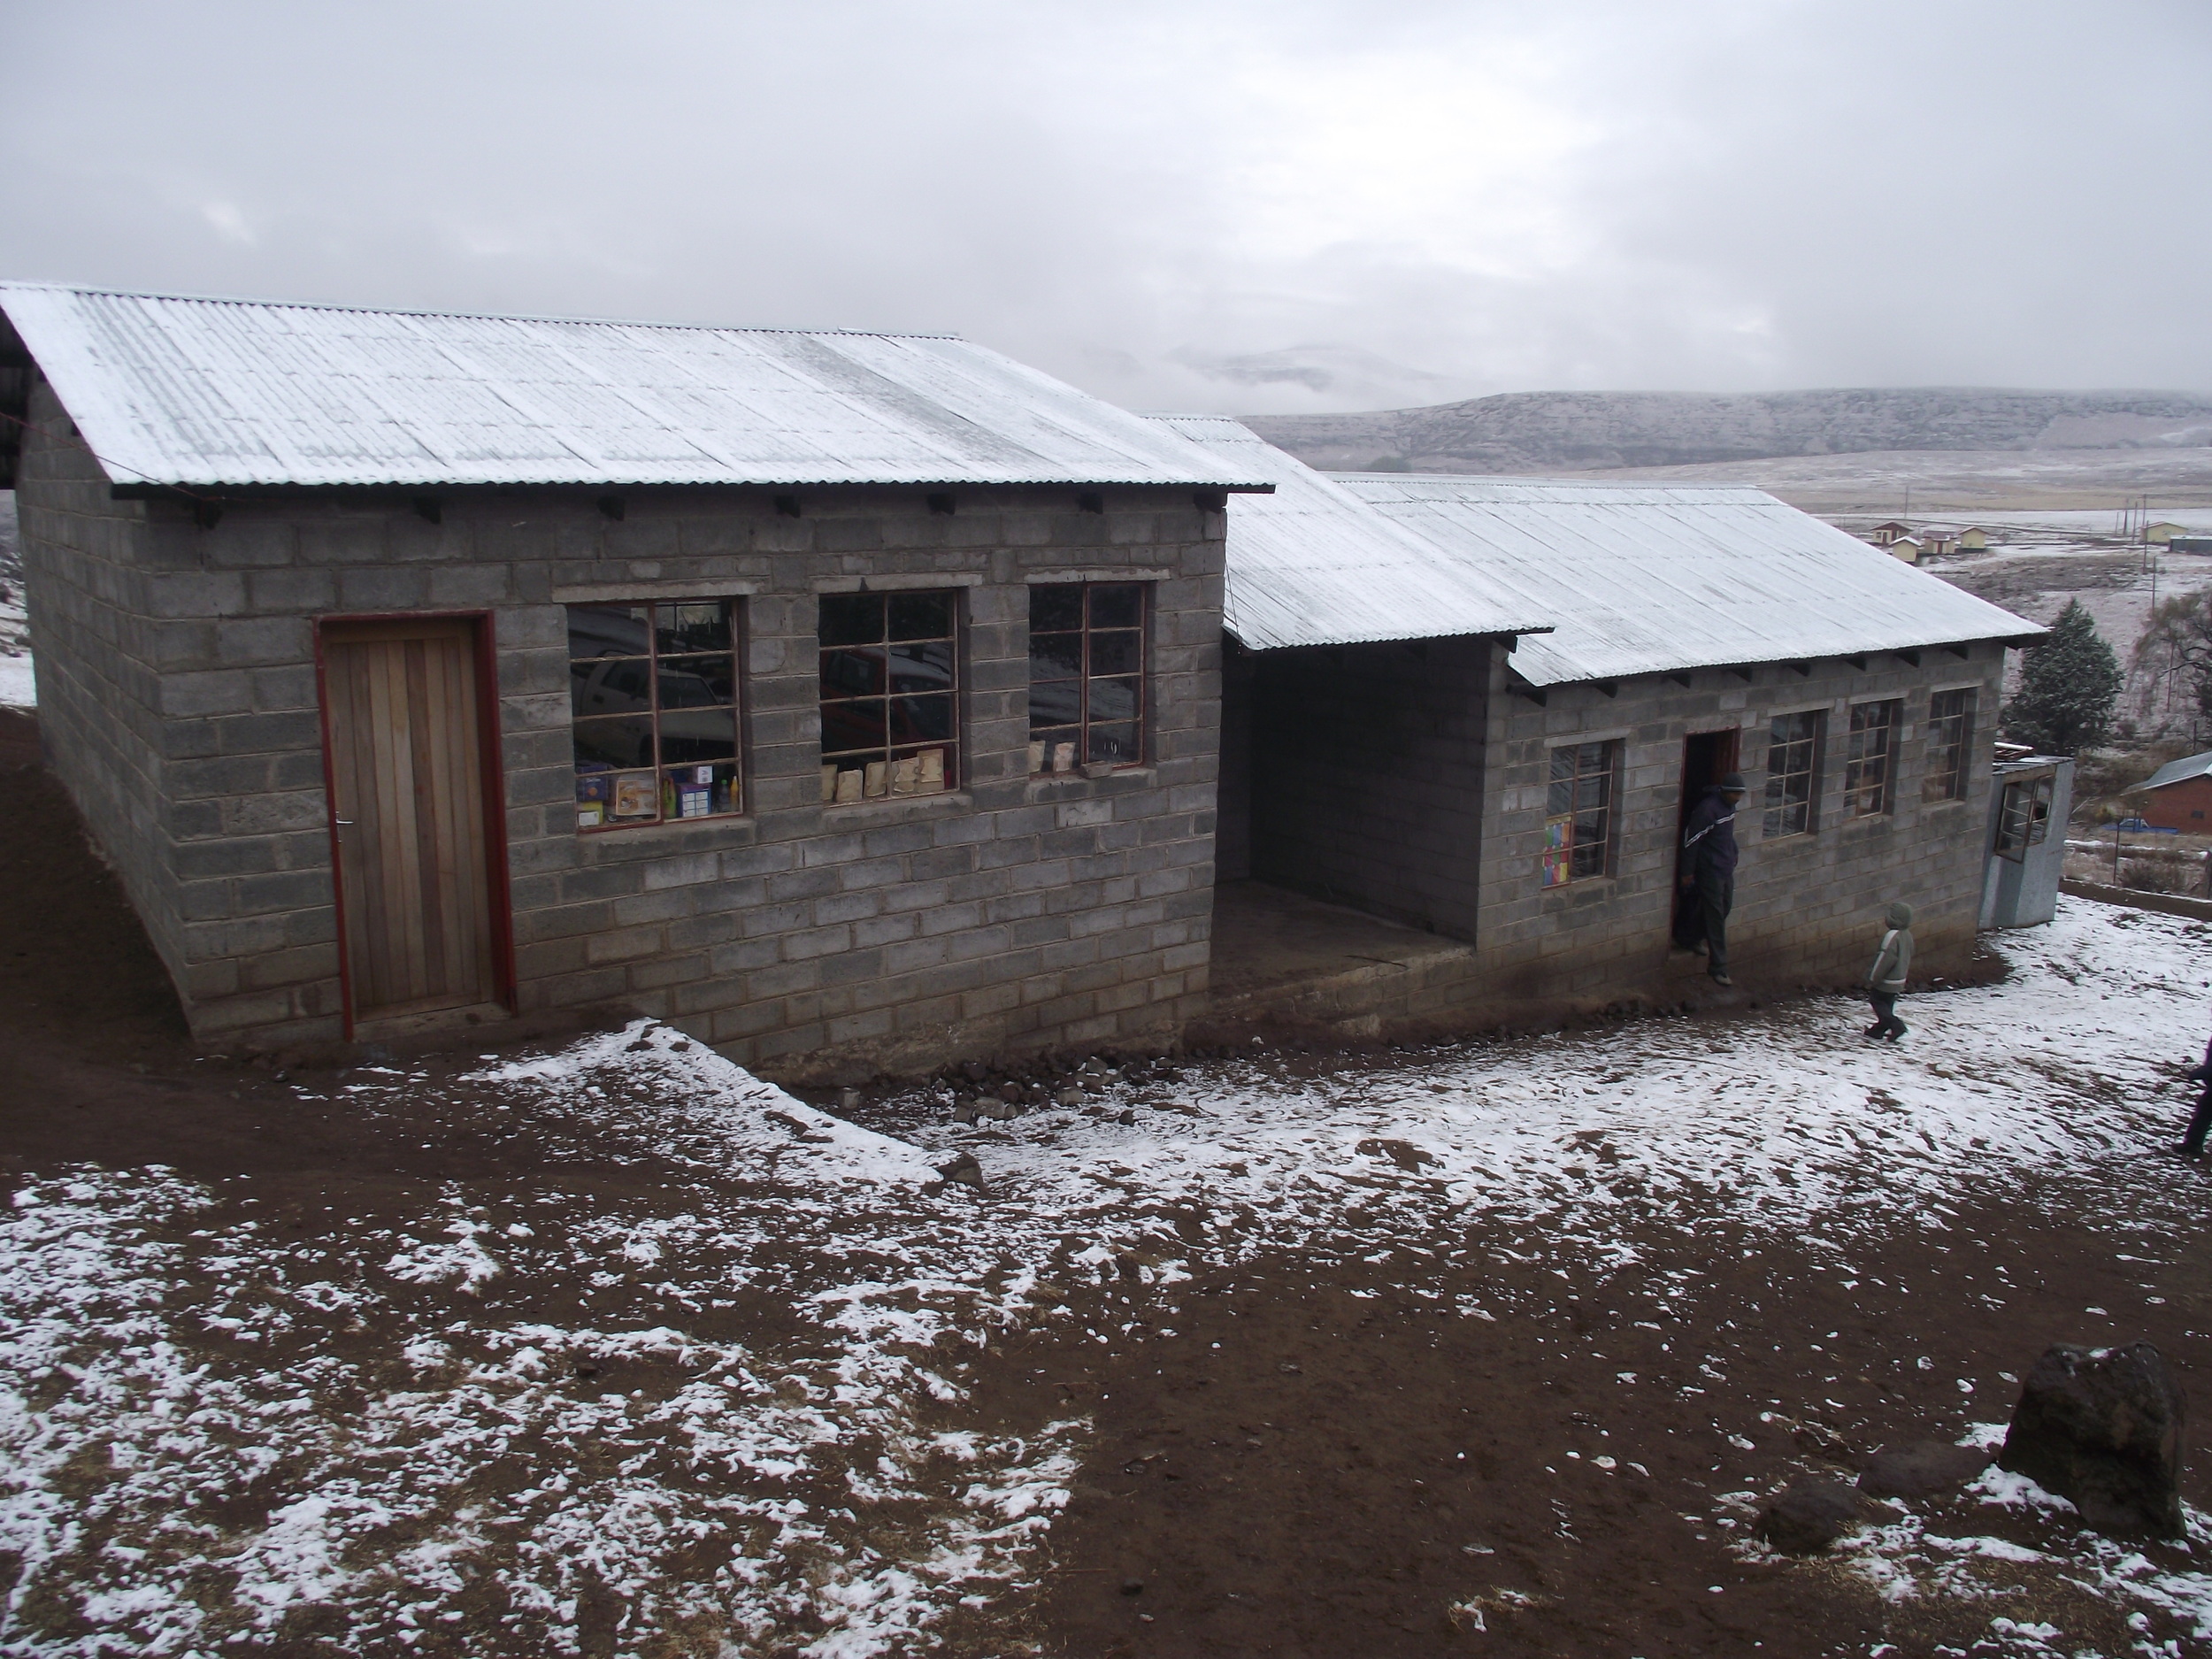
(1717, 195)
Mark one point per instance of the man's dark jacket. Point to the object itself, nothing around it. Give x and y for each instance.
(1709, 837)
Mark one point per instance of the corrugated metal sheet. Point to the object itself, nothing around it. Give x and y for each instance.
(2178, 772)
(1313, 565)
(1642, 579)
(223, 392)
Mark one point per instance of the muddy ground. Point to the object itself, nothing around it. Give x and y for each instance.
(1305, 1453)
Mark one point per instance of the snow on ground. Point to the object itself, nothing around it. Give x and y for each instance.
(18, 688)
(719, 1391)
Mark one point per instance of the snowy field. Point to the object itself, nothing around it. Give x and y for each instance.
(723, 1404)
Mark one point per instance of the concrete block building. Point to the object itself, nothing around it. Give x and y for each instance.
(845, 699)
(1509, 762)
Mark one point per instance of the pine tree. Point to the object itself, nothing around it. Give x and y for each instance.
(2068, 687)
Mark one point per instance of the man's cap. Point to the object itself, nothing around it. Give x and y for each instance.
(1732, 783)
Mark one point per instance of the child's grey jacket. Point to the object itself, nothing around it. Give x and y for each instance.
(1892, 963)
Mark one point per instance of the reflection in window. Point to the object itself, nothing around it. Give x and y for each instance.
(1793, 764)
(1950, 741)
(1579, 812)
(890, 687)
(1086, 661)
(653, 700)
(1871, 762)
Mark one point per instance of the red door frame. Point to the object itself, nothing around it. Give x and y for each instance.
(493, 780)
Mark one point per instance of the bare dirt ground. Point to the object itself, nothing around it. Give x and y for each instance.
(581, 1342)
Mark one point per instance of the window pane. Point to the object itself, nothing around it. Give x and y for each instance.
(609, 630)
(1117, 653)
(922, 667)
(851, 726)
(610, 685)
(852, 673)
(1057, 703)
(1056, 655)
(1559, 800)
(850, 618)
(921, 616)
(627, 742)
(686, 628)
(1590, 793)
(694, 682)
(697, 735)
(699, 791)
(1118, 606)
(1562, 763)
(1115, 745)
(921, 719)
(1054, 607)
(1114, 699)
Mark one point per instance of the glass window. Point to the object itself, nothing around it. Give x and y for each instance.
(890, 688)
(1086, 675)
(2023, 819)
(1871, 761)
(1579, 812)
(652, 693)
(1950, 743)
(1792, 773)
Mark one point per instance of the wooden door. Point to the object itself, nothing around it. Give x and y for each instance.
(405, 717)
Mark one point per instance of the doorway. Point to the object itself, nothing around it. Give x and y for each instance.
(1707, 757)
(415, 816)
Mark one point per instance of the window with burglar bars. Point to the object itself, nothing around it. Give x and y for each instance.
(1950, 742)
(890, 695)
(1869, 763)
(1086, 660)
(653, 707)
(1792, 773)
(1579, 812)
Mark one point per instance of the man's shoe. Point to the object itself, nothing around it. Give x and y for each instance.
(1876, 1031)
(1895, 1032)
(1721, 979)
(2198, 1074)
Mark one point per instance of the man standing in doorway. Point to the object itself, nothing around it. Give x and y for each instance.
(1709, 875)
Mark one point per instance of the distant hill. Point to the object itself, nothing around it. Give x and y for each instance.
(1524, 432)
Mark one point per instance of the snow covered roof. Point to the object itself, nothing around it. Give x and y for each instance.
(172, 390)
(1313, 565)
(1648, 578)
(2179, 772)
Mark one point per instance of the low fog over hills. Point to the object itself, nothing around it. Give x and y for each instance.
(1549, 432)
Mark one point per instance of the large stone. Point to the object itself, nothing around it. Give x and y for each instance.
(2102, 1428)
(1809, 1514)
(1920, 1470)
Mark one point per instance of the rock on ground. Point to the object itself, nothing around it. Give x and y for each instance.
(1809, 1514)
(1921, 1469)
(2102, 1428)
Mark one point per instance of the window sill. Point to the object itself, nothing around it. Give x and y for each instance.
(1043, 789)
(897, 809)
(665, 840)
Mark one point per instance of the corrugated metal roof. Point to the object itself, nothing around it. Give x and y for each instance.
(186, 391)
(1643, 578)
(2178, 772)
(1313, 565)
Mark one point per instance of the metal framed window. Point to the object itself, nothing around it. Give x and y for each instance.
(1086, 675)
(1792, 773)
(1950, 743)
(2023, 817)
(1579, 812)
(1869, 763)
(653, 705)
(890, 691)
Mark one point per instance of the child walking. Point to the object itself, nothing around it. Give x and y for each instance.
(1885, 979)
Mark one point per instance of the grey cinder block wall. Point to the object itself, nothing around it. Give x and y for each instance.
(1411, 782)
(179, 701)
(1808, 907)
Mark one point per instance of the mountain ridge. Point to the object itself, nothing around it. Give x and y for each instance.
(1587, 430)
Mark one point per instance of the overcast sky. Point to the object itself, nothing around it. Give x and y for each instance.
(1206, 204)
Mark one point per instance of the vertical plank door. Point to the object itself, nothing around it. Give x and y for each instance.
(406, 767)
